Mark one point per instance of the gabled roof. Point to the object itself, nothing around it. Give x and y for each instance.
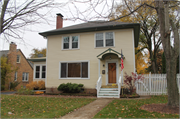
(5, 53)
(96, 26)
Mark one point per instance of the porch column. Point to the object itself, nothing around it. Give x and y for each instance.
(99, 67)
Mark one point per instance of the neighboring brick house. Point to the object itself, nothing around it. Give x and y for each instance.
(24, 73)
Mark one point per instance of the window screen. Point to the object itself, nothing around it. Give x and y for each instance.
(109, 39)
(37, 74)
(43, 71)
(84, 69)
(66, 43)
(18, 58)
(75, 42)
(63, 70)
(99, 39)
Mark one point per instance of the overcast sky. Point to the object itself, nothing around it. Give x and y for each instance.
(31, 39)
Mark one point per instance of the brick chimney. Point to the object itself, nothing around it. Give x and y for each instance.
(13, 47)
(59, 21)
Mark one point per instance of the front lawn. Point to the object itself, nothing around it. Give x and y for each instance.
(39, 107)
(131, 109)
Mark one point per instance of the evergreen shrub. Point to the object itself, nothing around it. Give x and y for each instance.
(70, 87)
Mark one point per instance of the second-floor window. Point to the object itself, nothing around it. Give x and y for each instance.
(71, 42)
(104, 39)
(40, 71)
(18, 59)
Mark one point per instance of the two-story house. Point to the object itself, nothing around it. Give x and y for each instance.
(89, 51)
(22, 70)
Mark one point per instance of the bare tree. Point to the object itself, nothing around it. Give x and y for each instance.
(16, 14)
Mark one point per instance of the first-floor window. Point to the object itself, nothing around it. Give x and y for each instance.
(40, 71)
(37, 74)
(74, 70)
(15, 76)
(43, 72)
(25, 76)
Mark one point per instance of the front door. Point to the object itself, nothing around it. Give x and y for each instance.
(111, 72)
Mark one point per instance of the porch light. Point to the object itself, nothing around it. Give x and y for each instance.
(110, 57)
(120, 65)
(103, 65)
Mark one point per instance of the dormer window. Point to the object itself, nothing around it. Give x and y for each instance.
(104, 39)
(71, 42)
(18, 58)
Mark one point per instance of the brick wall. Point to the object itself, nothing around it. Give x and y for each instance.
(22, 66)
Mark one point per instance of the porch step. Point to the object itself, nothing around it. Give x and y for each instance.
(109, 86)
(109, 89)
(103, 91)
(108, 93)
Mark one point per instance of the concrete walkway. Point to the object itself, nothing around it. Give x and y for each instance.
(89, 110)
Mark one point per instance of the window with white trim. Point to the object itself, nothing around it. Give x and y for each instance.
(71, 42)
(40, 71)
(74, 69)
(15, 76)
(18, 59)
(25, 76)
(104, 39)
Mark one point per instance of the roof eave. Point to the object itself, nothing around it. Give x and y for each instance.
(37, 60)
(135, 26)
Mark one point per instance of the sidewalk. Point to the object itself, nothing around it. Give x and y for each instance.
(89, 110)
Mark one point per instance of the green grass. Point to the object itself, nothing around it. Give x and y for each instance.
(39, 107)
(131, 109)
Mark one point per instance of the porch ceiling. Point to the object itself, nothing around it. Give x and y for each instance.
(109, 52)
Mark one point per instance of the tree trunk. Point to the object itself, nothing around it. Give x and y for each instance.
(154, 67)
(170, 52)
(173, 96)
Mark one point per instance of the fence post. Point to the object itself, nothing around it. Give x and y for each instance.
(150, 82)
(178, 81)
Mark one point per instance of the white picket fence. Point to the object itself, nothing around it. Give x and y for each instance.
(154, 84)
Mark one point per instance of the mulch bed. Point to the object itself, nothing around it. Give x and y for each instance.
(129, 96)
(60, 96)
(160, 108)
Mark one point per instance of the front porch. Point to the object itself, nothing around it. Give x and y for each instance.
(110, 74)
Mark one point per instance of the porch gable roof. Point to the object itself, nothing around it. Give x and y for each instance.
(108, 52)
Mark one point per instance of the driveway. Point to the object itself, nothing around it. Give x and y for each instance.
(8, 92)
